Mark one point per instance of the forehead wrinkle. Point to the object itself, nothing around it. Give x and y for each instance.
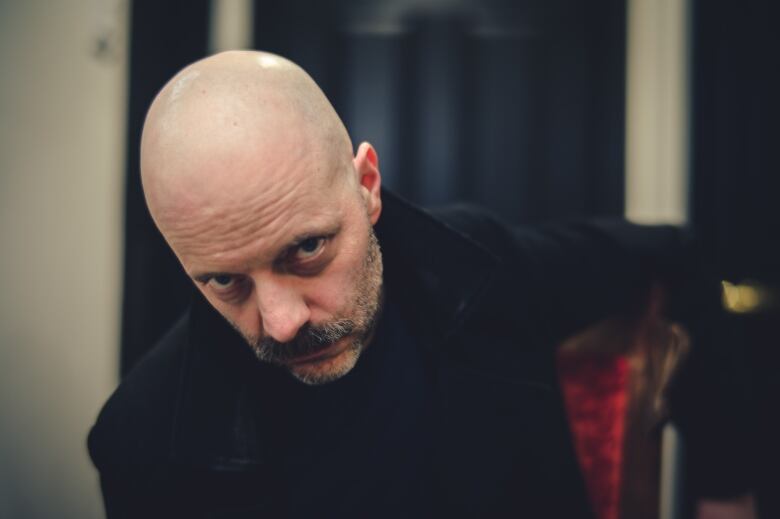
(235, 193)
(254, 234)
(255, 251)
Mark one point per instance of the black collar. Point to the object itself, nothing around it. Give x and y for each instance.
(441, 273)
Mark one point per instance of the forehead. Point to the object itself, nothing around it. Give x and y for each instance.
(242, 219)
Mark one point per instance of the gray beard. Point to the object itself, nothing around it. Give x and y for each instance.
(311, 339)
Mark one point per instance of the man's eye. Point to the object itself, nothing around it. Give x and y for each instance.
(222, 282)
(308, 248)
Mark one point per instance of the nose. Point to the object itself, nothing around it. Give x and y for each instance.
(282, 308)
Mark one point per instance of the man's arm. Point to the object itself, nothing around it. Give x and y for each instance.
(581, 273)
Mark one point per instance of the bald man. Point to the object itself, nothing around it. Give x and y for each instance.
(348, 354)
(249, 175)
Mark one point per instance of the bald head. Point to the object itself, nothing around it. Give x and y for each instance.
(249, 175)
(233, 125)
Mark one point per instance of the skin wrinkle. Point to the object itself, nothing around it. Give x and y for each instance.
(265, 210)
(238, 231)
(237, 165)
(207, 204)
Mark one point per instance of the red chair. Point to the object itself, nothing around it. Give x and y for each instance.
(614, 376)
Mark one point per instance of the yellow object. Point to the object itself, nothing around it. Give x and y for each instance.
(744, 298)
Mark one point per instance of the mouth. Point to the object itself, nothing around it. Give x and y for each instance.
(333, 350)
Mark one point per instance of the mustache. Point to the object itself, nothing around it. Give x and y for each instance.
(309, 340)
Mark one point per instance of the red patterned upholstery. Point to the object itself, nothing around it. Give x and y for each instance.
(614, 376)
(595, 389)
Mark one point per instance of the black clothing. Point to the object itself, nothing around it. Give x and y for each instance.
(454, 409)
(352, 444)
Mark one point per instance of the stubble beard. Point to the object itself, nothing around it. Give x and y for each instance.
(357, 328)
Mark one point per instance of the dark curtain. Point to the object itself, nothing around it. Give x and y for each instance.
(736, 188)
(165, 36)
(518, 106)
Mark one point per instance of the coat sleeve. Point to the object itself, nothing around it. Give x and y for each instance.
(130, 498)
(573, 275)
(184, 492)
(133, 489)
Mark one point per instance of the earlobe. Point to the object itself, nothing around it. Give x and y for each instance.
(367, 167)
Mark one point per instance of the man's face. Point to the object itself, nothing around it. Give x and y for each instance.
(292, 264)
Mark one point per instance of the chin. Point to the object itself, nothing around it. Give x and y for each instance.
(320, 372)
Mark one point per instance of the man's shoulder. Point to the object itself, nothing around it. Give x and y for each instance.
(474, 222)
(135, 426)
(485, 228)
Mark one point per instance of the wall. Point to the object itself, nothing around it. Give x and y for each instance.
(62, 104)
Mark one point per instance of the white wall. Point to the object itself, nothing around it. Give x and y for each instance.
(62, 120)
(657, 111)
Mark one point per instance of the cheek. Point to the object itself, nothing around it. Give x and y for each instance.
(333, 293)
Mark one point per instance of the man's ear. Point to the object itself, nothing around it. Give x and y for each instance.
(367, 167)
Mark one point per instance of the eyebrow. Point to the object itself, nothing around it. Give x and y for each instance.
(327, 232)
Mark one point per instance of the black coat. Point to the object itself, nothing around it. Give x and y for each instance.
(179, 436)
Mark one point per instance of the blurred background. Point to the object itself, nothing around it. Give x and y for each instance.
(659, 110)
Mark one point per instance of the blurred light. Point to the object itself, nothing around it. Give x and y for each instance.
(745, 298)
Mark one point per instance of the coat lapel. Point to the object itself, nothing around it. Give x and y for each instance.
(513, 435)
(498, 409)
